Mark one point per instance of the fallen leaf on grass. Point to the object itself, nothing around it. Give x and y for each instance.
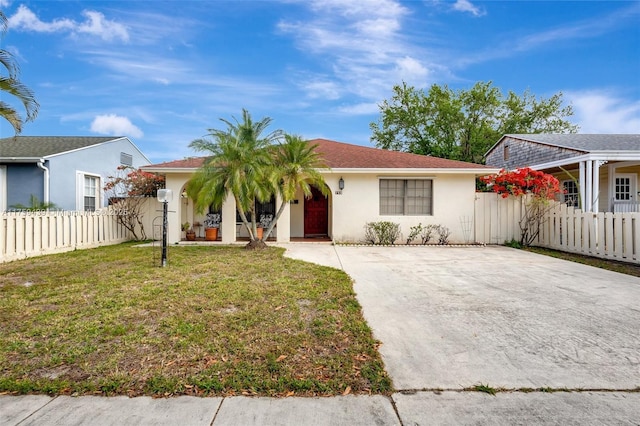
(347, 391)
(280, 358)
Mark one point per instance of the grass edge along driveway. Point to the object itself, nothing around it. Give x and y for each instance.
(215, 321)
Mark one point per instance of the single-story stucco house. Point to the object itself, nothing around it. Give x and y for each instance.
(599, 172)
(366, 185)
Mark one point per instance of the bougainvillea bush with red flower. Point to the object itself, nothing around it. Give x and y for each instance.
(537, 189)
(127, 191)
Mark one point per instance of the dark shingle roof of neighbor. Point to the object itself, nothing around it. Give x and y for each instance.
(42, 146)
(585, 142)
(339, 155)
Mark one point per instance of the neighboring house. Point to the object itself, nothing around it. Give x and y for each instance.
(598, 172)
(366, 185)
(69, 171)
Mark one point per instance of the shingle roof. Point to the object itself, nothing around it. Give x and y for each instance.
(586, 142)
(42, 146)
(339, 155)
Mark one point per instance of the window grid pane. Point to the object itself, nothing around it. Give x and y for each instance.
(406, 197)
(90, 185)
(623, 189)
(571, 193)
(391, 197)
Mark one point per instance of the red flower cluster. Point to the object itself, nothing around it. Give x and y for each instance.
(524, 181)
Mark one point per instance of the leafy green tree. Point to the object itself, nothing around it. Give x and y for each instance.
(295, 165)
(12, 85)
(239, 164)
(464, 124)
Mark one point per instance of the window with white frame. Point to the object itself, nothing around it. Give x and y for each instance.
(3, 188)
(406, 197)
(570, 193)
(90, 194)
(624, 187)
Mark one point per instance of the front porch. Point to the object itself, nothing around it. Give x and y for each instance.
(303, 219)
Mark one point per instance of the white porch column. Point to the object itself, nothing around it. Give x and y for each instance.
(228, 225)
(174, 216)
(596, 186)
(589, 189)
(284, 223)
(582, 188)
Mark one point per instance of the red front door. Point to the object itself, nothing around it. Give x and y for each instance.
(316, 214)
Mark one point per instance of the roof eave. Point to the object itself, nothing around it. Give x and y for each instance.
(21, 159)
(431, 170)
(592, 156)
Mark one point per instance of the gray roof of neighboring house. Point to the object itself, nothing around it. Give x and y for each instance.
(584, 142)
(43, 146)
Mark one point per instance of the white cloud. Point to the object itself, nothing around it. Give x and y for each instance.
(95, 24)
(4, 3)
(365, 108)
(364, 47)
(322, 89)
(410, 69)
(604, 112)
(115, 125)
(467, 6)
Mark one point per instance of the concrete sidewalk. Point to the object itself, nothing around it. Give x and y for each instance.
(419, 408)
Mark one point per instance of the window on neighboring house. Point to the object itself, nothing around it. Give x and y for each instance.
(406, 197)
(623, 188)
(505, 152)
(570, 193)
(126, 159)
(90, 193)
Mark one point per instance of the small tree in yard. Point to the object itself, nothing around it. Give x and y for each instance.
(252, 166)
(127, 191)
(537, 191)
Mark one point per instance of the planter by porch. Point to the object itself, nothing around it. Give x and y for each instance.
(191, 235)
(259, 232)
(211, 234)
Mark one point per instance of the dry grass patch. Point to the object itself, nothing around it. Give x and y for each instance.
(215, 321)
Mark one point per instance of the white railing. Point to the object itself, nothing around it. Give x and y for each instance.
(626, 207)
(25, 234)
(613, 236)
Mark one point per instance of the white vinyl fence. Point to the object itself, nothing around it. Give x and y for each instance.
(614, 236)
(26, 234)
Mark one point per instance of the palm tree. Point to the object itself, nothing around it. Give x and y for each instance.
(295, 165)
(13, 86)
(239, 164)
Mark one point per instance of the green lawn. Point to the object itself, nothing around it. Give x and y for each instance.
(611, 265)
(215, 321)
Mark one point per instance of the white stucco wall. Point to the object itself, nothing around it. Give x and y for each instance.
(359, 203)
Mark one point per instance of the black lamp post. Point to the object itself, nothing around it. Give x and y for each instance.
(164, 196)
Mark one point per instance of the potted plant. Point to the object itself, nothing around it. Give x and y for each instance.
(189, 232)
(211, 225)
(265, 220)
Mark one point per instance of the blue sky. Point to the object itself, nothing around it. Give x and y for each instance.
(163, 73)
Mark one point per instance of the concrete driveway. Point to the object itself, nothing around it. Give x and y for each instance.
(454, 317)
